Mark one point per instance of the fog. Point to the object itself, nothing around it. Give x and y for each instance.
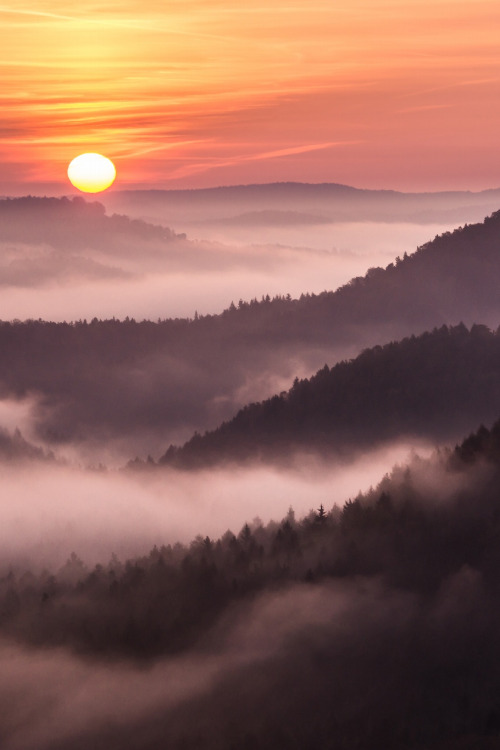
(299, 664)
(84, 701)
(366, 238)
(397, 658)
(358, 627)
(68, 260)
(49, 511)
(86, 289)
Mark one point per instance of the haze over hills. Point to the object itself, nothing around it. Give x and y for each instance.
(77, 262)
(377, 603)
(75, 222)
(433, 387)
(272, 583)
(295, 202)
(15, 449)
(144, 384)
(387, 608)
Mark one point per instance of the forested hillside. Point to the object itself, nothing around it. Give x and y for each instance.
(108, 379)
(375, 624)
(433, 386)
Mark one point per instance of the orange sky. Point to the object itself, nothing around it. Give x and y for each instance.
(395, 93)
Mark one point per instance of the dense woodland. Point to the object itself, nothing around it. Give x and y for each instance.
(94, 380)
(371, 625)
(396, 602)
(431, 386)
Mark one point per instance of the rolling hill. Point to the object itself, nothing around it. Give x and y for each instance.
(433, 387)
(148, 383)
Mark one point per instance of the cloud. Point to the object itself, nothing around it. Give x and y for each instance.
(351, 658)
(98, 702)
(49, 511)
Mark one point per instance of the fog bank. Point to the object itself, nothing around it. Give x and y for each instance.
(50, 511)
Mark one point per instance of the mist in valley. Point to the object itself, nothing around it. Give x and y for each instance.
(63, 259)
(376, 607)
(329, 579)
(52, 509)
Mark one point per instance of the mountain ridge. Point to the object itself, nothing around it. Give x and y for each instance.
(430, 387)
(109, 378)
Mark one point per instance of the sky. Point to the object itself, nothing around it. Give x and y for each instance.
(401, 94)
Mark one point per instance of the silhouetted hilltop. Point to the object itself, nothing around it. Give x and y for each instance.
(433, 386)
(71, 223)
(324, 202)
(376, 624)
(454, 276)
(103, 379)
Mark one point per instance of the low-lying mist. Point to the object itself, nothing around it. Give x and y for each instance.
(368, 239)
(373, 624)
(51, 510)
(90, 704)
(68, 260)
(180, 292)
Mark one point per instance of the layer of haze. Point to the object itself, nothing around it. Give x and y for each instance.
(285, 653)
(87, 703)
(126, 390)
(154, 282)
(401, 94)
(49, 511)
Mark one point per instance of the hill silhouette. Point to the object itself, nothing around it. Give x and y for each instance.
(434, 386)
(71, 223)
(14, 448)
(273, 202)
(376, 623)
(107, 379)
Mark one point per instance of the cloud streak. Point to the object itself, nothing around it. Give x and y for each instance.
(286, 76)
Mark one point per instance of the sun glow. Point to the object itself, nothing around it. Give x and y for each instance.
(91, 173)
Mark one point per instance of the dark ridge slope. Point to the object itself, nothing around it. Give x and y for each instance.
(112, 377)
(376, 624)
(433, 386)
(14, 448)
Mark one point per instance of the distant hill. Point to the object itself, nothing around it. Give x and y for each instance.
(57, 241)
(71, 223)
(324, 201)
(100, 380)
(434, 387)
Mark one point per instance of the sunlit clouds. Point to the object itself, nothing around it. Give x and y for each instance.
(194, 94)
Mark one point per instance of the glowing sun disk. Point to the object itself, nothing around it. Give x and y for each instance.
(91, 173)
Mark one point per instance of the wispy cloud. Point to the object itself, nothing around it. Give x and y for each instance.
(79, 19)
(190, 169)
(424, 108)
(136, 77)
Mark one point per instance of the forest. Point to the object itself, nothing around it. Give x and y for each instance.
(75, 222)
(432, 386)
(228, 592)
(396, 613)
(156, 383)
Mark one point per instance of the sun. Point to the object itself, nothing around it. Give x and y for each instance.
(91, 173)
